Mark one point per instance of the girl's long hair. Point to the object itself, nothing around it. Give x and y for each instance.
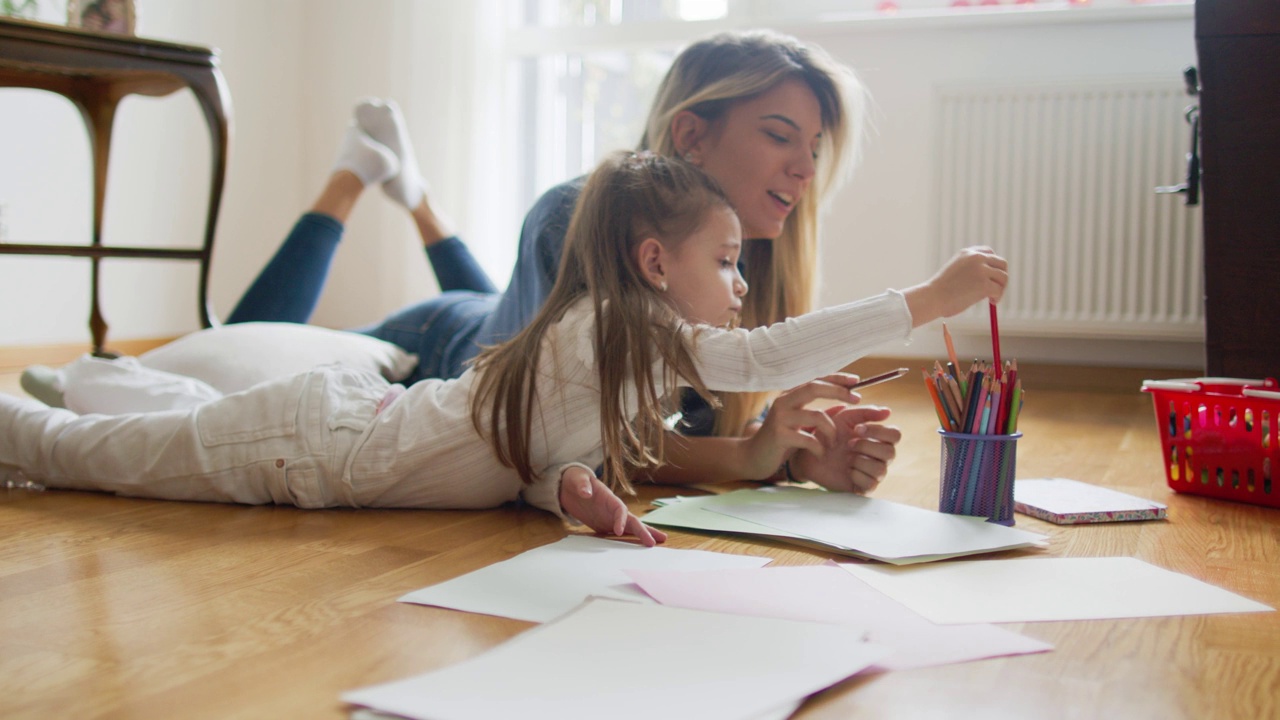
(707, 78)
(629, 197)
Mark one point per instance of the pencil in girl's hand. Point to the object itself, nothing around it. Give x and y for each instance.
(995, 336)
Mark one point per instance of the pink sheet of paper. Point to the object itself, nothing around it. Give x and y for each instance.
(828, 594)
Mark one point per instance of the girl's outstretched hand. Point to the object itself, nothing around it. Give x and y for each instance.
(591, 502)
(974, 274)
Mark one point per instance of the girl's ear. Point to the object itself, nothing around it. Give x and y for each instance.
(649, 258)
(687, 132)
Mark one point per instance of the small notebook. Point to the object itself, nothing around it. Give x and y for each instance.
(1071, 502)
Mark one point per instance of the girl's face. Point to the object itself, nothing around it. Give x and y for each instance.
(763, 151)
(702, 272)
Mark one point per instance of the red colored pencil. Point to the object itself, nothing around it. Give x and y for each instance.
(995, 336)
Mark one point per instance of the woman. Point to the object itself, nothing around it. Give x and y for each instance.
(776, 122)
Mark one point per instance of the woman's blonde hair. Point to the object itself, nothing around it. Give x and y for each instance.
(707, 79)
(629, 197)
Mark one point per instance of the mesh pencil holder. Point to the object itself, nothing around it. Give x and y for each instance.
(977, 475)
(1219, 437)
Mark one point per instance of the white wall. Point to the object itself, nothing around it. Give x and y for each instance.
(295, 68)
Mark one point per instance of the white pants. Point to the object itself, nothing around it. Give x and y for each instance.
(286, 441)
(124, 385)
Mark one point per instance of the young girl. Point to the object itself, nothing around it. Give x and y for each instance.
(647, 285)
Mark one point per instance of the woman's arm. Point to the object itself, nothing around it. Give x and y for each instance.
(759, 453)
(699, 460)
(841, 448)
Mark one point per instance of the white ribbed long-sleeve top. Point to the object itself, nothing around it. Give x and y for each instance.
(423, 451)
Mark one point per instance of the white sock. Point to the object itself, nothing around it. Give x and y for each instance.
(382, 120)
(44, 384)
(367, 159)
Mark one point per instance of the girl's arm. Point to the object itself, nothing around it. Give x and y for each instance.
(591, 502)
(796, 350)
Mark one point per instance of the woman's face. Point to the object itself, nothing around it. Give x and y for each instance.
(763, 152)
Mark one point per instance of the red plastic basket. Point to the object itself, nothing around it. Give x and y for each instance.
(1219, 437)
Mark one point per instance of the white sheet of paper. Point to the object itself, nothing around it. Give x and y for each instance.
(625, 661)
(779, 713)
(687, 512)
(825, 593)
(546, 582)
(877, 528)
(1042, 589)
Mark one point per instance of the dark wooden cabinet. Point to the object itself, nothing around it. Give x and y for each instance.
(1238, 48)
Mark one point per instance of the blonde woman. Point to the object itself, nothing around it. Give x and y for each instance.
(647, 288)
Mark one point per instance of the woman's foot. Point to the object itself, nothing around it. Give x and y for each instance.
(362, 156)
(382, 121)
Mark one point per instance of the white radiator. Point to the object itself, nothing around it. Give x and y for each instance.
(1060, 179)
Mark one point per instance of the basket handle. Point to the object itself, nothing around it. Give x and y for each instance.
(1178, 385)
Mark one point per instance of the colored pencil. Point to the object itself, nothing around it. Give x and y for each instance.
(937, 402)
(951, 348)
(995, 336)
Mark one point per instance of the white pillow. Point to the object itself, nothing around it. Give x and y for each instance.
(234, 357)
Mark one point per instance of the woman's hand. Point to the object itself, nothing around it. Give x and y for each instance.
(976, 273)
(790, 425)
(591, 502)
(857, 454)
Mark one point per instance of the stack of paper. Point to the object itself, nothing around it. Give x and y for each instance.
(1070, 502)
(844, 523)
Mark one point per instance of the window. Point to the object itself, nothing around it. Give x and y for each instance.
(580, 74)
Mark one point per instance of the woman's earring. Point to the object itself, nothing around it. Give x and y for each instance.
(662, 286)
(687, 157)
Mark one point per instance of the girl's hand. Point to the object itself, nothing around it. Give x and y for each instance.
(975, 274)
(591, 502)
(791, 426)
(857, 455)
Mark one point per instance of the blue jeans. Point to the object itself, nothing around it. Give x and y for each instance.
(440, 331)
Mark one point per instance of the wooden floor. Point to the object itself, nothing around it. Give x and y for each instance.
(120, 608)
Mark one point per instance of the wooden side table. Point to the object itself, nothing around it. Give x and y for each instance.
(96, 71)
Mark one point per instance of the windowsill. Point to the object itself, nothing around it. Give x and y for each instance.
(534, 41)
(994, 16)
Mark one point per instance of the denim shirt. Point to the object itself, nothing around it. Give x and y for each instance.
(537, 264)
